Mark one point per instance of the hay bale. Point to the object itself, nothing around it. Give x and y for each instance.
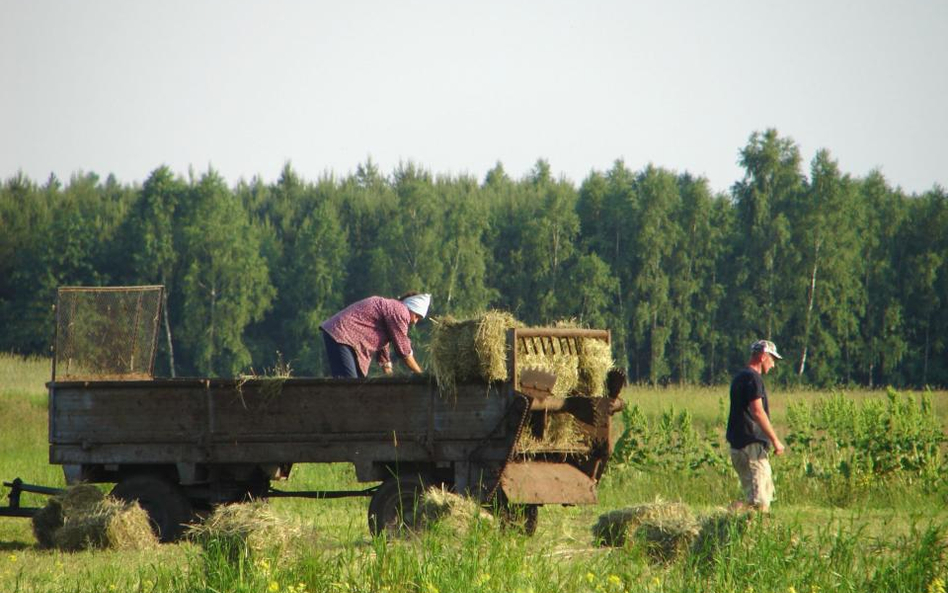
(108, 523)
(470, 349)
(555, 360)
(595, 362)
(46, 521)
(243, 530)
(476, 349)
(452, 511)
(662, 529)
(83, 517)
(80, 498)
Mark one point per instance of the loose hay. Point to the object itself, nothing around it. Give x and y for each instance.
(244, 529)
(662, 529)
(452, 511)
(560, 434)
(83, 518)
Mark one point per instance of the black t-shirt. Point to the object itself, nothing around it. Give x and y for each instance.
(742, 429)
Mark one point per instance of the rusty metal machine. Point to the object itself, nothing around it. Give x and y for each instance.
(181, 445)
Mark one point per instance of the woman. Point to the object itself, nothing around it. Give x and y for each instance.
(365, 328)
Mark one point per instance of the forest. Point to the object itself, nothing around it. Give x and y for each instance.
(848, 275)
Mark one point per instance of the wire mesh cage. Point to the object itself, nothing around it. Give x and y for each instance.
(106, 333)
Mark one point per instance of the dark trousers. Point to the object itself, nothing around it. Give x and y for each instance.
(342, 358)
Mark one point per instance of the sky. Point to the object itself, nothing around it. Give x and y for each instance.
(124, 87)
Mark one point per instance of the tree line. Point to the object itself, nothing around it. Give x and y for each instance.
(847, 275)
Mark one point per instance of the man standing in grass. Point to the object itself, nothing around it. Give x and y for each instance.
(749, 430)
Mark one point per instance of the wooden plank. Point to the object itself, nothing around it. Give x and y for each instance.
(126, 413)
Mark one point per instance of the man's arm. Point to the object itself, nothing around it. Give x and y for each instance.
(760, 416)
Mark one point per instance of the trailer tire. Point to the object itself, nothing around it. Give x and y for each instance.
(167, 506)
(393, 507)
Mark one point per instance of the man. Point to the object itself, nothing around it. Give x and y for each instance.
(749, 430)
(364, 329)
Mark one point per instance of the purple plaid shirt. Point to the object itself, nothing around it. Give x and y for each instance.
(368, 326)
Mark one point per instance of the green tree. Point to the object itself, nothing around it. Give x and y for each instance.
(824, 220)
(764, 254)
(655, 235)
(883, 343)
(226, 283)
(151, 239)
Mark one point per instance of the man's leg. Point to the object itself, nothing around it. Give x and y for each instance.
(763, 480)
(740, 463)
(753, 466)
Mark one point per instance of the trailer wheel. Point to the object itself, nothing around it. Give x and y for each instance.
(393, 507)
(167, 506)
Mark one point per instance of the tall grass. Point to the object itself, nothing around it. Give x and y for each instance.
(888, 538)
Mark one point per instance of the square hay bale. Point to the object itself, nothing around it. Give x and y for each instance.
(109, 523)
(83, 517)
(595, 362)
(470, 349)
(663, 529)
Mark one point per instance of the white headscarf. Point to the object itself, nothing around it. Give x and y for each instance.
(418, 303)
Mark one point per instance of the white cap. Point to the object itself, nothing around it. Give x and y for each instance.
(418, 303)
(765, 346)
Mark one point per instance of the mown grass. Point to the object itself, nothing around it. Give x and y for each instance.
(890, 538)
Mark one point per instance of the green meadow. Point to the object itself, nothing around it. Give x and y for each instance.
(861, 506)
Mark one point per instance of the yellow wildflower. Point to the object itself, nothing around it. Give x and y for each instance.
(274, 587)
(12, 557)
(937, 585)
(615, 580)
(590, 577)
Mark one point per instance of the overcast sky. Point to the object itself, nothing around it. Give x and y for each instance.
(125, 86)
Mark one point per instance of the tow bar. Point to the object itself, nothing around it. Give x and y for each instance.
(17, 487)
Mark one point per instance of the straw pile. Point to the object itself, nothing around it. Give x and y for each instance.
(243, 530)
(663, 529)
(83, 518)
(452, 511)
(666, 530)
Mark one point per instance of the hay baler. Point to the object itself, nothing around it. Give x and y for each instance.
(185, 444)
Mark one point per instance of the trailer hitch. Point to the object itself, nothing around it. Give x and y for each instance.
(17, 487)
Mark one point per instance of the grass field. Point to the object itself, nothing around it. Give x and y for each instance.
(891, 537)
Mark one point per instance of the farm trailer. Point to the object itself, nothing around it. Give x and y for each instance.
(183, 445)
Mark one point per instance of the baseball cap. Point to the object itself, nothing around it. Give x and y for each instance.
(765, 346)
